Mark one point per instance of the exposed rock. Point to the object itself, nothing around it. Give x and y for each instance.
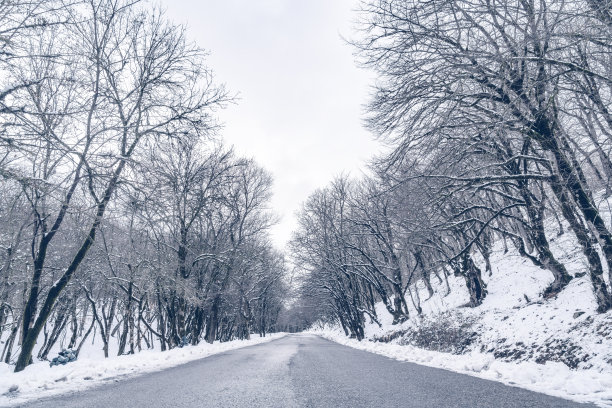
(578, 314)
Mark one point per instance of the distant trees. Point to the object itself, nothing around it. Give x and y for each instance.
(498, 113)
(119, 213)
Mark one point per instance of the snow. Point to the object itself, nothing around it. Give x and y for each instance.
(551, 378)
(560, 332)
(39, 380)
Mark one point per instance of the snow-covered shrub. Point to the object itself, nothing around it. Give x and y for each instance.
(447, 332)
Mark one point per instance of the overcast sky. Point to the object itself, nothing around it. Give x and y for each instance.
(301, 96)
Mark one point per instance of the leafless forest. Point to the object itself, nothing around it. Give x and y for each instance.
(124, 217)
(498, 117)
(121, 211)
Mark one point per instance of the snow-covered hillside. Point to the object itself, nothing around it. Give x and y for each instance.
(560, 346)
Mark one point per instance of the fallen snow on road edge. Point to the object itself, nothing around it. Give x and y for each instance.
(41, 381)
(552, 378)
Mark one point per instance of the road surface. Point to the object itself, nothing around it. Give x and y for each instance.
(303, 371)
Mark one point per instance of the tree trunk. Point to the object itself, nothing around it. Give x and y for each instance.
(602, 296)
(212, 323)
(29, 341)
(473, 279)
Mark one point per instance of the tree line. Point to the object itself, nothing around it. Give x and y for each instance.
(122, 216)
(497, 117)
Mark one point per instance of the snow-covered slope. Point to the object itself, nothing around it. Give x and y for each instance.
(560, 346)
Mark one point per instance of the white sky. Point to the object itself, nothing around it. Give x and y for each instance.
(301, 96)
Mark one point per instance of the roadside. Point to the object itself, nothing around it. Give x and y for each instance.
(551, 378)
(39, 380)
(559, 346)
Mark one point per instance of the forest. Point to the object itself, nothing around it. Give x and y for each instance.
(454, 248)
(126, 220)
(123, 216)
(497, 116)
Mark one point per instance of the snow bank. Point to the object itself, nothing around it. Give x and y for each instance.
(39, 380)
(551, 378)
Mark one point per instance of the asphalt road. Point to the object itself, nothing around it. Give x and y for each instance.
(304, 371)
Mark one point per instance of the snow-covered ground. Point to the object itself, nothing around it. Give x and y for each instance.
(40, 380)
(559, 346)
(551, 378)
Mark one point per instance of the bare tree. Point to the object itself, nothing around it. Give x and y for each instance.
(147, 82)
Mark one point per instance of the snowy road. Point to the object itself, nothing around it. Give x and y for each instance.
(303, 371)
